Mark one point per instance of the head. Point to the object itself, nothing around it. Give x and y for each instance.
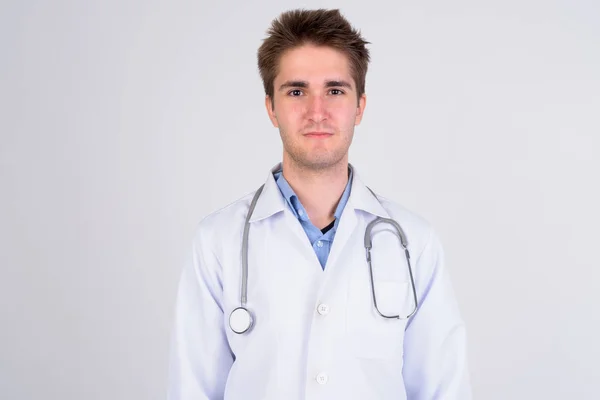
(313, 65)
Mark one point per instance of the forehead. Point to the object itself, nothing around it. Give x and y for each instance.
(313, 63)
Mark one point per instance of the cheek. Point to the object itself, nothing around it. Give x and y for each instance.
(344, 114)
(290, 114)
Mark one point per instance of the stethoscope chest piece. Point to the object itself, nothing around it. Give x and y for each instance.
(240, 320)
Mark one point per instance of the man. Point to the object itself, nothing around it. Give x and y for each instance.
(300, 313)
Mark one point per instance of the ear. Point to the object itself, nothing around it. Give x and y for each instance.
(270, 105)
(360, 109)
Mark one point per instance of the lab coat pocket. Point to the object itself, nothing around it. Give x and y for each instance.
(372, 335)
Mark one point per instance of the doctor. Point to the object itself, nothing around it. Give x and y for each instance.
(280, 299)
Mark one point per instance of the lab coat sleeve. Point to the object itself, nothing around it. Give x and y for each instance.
(200, 357)
(435, 364)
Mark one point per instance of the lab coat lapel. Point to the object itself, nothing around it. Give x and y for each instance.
(344, 230)
(271, 202)
(292, 223)
(360, 198)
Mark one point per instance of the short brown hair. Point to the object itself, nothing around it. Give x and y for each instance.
(318, 27)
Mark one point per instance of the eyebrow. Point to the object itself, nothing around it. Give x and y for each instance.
(304, 84)
(338, 84)
(289, 84)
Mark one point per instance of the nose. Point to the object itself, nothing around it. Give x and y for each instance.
(316, 109)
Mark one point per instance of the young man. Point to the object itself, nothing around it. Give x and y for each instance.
(280, 299)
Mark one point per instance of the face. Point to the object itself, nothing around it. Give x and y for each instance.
(315, 106)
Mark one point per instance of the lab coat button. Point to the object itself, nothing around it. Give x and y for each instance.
(323, 309)
(322, 378)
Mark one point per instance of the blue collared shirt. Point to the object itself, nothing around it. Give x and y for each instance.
(321, 242)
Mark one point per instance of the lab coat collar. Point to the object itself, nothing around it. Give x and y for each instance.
(271, 201)
(361, 197)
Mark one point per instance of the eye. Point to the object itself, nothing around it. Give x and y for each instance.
(295, 93)
(336, 92)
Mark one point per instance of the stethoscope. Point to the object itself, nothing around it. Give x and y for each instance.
(241, 319)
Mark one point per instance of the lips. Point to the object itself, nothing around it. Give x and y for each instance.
(318, 134)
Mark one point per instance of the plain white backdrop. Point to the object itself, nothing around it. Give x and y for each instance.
(123, 123)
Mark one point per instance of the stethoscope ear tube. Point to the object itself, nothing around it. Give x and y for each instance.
(404, 242)
(240, 319)
(369, 244)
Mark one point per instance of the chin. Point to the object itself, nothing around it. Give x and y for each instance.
(319, 163)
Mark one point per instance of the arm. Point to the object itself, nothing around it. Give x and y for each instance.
(200, 357)
(435, 365)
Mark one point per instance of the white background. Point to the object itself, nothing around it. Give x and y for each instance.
(123, 123)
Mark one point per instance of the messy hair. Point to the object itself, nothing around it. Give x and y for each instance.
(317, 27)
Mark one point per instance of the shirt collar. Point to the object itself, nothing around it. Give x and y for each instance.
(272, 201)
(294, 203)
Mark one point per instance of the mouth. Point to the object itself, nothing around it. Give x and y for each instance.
(318, 134)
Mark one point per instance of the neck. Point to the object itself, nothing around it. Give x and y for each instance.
(320, 190)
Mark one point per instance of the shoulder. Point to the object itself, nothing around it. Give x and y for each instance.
(224, 223)
(420, 233)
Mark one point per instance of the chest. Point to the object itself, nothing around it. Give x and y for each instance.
(290, 295)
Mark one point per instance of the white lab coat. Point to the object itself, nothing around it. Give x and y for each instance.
(316, 332)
